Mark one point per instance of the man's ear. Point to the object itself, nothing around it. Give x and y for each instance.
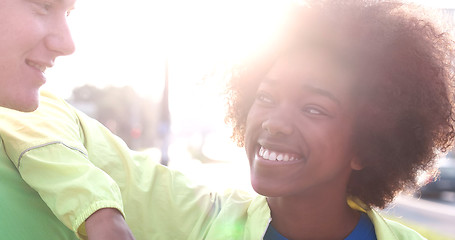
(356, 164)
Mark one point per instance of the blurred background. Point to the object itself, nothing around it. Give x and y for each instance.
(152, 71)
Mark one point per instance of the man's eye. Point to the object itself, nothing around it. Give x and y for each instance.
(43, 7)
(46, 6)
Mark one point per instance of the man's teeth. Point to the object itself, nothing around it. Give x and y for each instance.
(275, 156)
(40, 67)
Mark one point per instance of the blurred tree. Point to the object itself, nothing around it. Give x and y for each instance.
(122, 110)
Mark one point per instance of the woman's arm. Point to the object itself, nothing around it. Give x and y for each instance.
(107, 224)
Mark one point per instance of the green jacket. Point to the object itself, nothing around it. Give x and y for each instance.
(77, 167)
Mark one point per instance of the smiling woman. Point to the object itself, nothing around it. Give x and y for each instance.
(357, 98)
(307, 117)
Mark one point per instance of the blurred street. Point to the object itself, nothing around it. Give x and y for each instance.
(436, 214)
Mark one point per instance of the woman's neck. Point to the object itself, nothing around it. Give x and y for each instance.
(313, 216)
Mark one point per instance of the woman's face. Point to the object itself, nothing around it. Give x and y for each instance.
(298, 130)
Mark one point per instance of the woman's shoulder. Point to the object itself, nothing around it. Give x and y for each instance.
(385, 229)
(389, 229)
(403, 232)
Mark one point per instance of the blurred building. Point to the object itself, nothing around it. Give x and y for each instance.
(128, 115)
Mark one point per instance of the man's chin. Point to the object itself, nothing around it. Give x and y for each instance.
(28, 108)
(28, 105)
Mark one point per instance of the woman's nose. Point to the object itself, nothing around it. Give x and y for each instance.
(278, 123)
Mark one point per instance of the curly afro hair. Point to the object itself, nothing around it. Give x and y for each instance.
(403, 63)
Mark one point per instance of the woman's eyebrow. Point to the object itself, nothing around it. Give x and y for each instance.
(322, 92)
(270, 81)
(310, 88)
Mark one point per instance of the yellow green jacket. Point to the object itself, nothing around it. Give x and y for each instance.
(74, 165)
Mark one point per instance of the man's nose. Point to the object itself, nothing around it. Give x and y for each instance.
(59, 38)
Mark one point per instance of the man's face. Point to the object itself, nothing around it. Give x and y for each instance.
(33, 34)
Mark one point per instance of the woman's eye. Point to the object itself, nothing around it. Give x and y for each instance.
(314, 111)
(264, 98)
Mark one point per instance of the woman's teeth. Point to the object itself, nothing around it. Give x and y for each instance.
(276, 156)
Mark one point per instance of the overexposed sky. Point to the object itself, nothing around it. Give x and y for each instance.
(436, 3)
(126, 42)
(123, 42)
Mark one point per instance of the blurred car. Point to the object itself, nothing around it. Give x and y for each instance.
(446, 179)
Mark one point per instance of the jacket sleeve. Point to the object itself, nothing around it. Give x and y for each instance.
(47, 147)
(161, 203)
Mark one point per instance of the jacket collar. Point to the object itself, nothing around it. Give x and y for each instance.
(259, 218)
(385, 229)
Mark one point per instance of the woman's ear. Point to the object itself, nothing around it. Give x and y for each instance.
(356, 164)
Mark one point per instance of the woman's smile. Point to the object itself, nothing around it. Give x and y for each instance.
(274, 155)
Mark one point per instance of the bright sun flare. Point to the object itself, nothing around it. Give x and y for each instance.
(126, 43)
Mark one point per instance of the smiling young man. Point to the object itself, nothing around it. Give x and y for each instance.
(33, 33)
(30, 40)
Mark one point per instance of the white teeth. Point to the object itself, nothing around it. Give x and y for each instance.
(274, 156)
(40, 67)
(279, 157)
